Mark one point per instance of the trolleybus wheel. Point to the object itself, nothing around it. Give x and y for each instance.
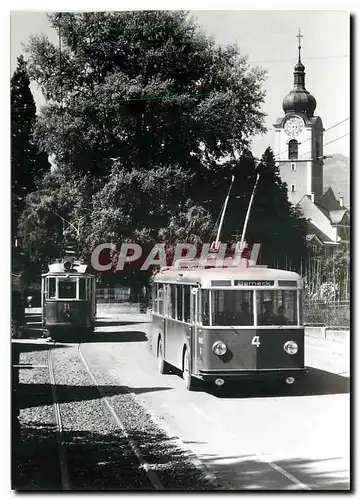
(162, 364)
(190, 382)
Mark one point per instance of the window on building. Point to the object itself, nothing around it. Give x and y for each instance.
(293, 188)
(293, 149)
(293, 167)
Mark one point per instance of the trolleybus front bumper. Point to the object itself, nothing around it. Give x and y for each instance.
(263, 375)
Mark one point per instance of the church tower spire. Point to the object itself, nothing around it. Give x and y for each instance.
(299, 139)
(299, 100)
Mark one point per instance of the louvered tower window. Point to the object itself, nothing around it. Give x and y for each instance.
(293, 149)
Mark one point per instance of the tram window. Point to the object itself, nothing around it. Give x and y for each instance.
(186, 303)
(88, 288)
(179, 302)
(51, 282)
(82, 288)
(232, 307)
(276, 307)
(67, 289)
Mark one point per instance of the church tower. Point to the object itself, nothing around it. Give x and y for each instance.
(299, 140)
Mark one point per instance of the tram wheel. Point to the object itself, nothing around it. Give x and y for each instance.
(190, 382)
(163, 366)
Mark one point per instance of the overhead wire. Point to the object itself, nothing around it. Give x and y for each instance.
(309, 139)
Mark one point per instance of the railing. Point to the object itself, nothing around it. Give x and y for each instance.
(329, 314)
(113, 295)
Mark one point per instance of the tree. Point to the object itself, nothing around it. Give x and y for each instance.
(55, 215)
(27, 165)
(276, 222)
(147, 88)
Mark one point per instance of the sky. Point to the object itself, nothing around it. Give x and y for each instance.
(268, 38)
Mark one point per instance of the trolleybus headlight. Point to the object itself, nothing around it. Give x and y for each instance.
(291, 347)
(219, 348)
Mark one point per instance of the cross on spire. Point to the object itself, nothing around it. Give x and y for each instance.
(299, 37)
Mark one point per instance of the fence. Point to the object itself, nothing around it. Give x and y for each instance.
(330, 314)
(113, 295)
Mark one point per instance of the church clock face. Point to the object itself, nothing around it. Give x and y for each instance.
(294, 126)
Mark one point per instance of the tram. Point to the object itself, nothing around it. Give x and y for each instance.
(68, 300)
(229, 324)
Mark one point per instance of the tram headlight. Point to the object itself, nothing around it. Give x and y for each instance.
(219, 348)
(291, 347)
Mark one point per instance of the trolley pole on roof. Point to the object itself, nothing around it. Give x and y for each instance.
(223, 213)
(248, 212)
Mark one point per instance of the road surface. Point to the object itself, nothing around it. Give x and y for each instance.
(255, 439)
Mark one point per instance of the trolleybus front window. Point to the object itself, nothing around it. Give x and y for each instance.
(67, 288)
(276, 307)
(232, 307)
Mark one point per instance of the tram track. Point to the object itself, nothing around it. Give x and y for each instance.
(144, 464)
(65, 483)
(61, 441)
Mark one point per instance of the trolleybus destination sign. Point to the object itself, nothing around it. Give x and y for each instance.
(254, 283)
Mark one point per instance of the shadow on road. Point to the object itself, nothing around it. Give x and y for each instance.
(112, 322)
(315, 383)
(34, 395)
(113, 336)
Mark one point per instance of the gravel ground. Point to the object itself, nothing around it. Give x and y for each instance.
(35, 463)
(98, 454)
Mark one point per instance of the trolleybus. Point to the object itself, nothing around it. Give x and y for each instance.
(221, 324)
(68, 300)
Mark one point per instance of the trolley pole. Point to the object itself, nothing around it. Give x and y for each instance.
(223, 213)
(248, 212)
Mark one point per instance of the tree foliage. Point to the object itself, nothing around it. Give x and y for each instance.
(27, 165)
(147, 88)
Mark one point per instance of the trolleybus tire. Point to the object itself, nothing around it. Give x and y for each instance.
(163, 366)
(190, 382)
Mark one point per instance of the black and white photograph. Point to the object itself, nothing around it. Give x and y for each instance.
(180, 250)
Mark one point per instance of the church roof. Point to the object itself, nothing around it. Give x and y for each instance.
(318, 221)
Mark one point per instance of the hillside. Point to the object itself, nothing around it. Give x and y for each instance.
(337, 176)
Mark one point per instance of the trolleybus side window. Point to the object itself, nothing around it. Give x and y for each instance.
(187, 303)
(160, 298)
(232, 307)
(172, 302)
(179, 302)
(67, 288)
(277, 307)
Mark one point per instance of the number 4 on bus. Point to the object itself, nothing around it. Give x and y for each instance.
(256, 341)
